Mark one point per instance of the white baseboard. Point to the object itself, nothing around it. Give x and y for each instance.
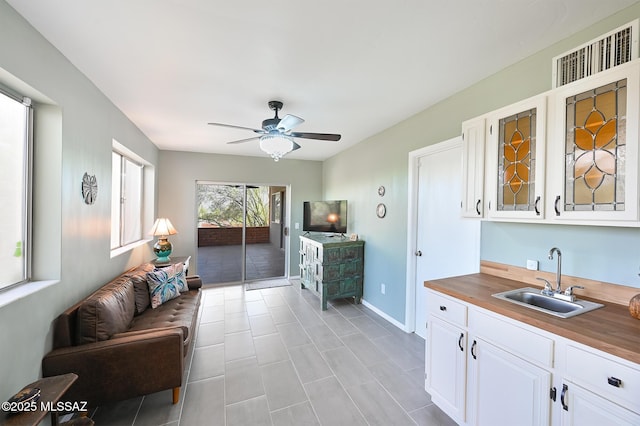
(385, 316)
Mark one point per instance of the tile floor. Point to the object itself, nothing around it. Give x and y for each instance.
(272, 357)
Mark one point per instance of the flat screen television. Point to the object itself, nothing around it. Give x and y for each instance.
(325, 216)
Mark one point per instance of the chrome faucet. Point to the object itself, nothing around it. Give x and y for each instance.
(559, 270)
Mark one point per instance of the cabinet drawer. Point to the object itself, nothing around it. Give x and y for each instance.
(521, 342)
(447, 308)
(604, 376)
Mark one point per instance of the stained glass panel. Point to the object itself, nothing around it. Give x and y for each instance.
(595, 149)
(516, 162)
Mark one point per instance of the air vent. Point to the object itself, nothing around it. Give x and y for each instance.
(605, 52)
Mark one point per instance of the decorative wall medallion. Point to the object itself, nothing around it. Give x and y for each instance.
(89, 188)
(381, 210)
(381, 191)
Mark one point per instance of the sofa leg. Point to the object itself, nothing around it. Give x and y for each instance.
(176, 395)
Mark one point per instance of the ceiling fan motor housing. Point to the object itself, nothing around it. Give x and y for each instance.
(270, 124)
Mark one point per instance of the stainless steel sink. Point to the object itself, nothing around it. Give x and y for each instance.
(532, 298)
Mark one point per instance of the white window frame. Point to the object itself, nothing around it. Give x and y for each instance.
(26, 174)
(121, 240)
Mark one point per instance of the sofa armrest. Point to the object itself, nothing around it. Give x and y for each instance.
(194, 282)
(120, 368)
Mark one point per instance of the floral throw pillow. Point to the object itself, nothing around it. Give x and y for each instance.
(162, 286)
(181, 278)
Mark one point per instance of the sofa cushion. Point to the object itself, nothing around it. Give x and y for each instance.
(180, 312)
(106, 312)
(163, 286)
(141, 289)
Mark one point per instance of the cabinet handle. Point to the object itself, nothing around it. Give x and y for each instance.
(478, 207)
(555, 206)
(443, 308)
(419, 253)
(565, 388)
(536, 204)
(473, 350)
(460, 342)
(613, 381)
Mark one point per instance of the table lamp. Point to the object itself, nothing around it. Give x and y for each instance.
(161, 229)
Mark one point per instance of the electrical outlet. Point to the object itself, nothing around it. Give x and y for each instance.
(532, 265)
(382, 288)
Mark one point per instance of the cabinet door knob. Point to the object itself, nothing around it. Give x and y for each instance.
(419, 253)
(614, 381)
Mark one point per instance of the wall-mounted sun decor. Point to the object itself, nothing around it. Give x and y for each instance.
(89, 188)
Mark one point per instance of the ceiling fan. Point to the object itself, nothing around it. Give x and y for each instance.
(276, 137)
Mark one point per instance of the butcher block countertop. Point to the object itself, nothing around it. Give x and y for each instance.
(611, 328)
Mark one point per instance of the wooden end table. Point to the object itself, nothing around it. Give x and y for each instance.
(51, 390)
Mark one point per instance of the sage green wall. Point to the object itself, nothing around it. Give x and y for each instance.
(75, 124)
(181, 170)
(383, 160)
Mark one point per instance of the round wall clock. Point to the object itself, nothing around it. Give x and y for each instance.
(89, 188)
(381, 191)
(381, 210)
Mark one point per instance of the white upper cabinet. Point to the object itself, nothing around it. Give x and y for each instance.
(473, 142)
(515, 160)
(592, 144)
(569, 155)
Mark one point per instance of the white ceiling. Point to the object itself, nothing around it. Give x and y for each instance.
(352, 67)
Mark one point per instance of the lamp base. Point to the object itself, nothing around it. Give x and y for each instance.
(162, 249)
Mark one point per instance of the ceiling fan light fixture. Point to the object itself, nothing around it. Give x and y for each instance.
(276, 145)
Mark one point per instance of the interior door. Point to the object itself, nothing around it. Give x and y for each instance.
(447, 245)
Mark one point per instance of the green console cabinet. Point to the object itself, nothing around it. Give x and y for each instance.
(332, 267)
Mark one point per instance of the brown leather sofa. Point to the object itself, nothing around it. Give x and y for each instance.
(119, 346)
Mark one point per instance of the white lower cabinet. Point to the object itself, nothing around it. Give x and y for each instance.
(583, 408)
(447, 367)
(486, 369)
(505, 389)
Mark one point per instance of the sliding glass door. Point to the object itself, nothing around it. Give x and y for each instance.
(241, 232)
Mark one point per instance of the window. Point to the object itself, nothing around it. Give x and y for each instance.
(127, 181)
(15, 189)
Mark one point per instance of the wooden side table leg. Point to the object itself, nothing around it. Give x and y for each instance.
(176, 395)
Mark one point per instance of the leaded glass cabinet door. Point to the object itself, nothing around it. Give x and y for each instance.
(595, 152)
(516, 160)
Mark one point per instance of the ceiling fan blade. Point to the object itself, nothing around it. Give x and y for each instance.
(243, 140)
(288, 122)
(321, 136)
(237, 127)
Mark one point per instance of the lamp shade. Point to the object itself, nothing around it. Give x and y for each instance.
(162, 226)
(276, 145)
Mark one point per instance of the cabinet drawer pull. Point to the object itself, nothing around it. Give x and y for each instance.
(473, 350)
(556, 206)
(460, 342)
(443, 308)
(478, 207)
(536, 206)
(613, 381)
(565, 388)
